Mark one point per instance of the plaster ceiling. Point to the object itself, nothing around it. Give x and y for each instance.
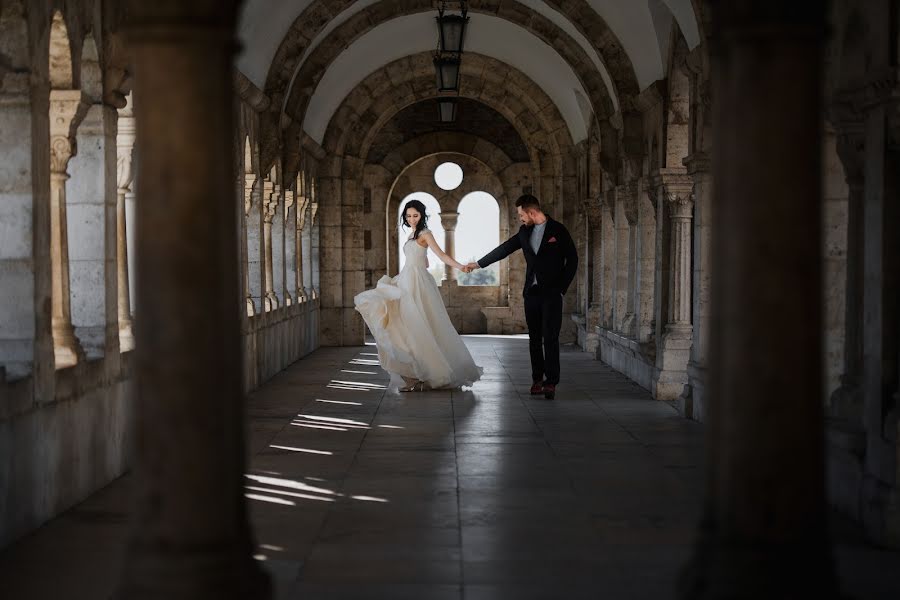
(639, 25)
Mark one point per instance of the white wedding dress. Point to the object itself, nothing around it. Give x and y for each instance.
(412, 330)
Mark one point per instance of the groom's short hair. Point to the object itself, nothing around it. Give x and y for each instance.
(527, 202)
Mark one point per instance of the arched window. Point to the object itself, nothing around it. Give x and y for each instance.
(477, 233)
(433, 210)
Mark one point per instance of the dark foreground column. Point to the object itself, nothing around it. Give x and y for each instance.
(764, 535)
(191, 538)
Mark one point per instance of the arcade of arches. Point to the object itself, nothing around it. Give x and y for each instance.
(193, 192)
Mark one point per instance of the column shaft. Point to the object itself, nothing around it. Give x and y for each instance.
(67, 109)
(764, 535)
(191, 539)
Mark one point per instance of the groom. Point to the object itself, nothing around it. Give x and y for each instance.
(552, 262)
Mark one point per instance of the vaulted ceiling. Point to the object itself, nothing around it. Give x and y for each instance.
(588, 56)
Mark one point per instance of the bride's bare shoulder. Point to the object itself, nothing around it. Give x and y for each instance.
(423, 238)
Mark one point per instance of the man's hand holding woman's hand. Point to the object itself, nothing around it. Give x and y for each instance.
(470, 267)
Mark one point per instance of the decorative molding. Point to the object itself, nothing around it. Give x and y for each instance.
(67, 110)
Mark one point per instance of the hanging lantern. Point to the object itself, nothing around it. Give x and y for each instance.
(447, 71)
(447, 110)
(452, 29)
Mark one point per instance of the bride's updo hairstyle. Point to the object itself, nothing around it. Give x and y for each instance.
(420, 208)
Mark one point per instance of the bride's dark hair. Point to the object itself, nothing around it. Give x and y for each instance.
(423, 222)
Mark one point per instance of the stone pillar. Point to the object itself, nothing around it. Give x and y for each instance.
(593, 209)
(622, 257)
(278, 254)
(675, 347)
(67, 109)
(607, 264)
(764, 534)
(124, 155)
(314, 253)
(26, 343)
(629, 204)
(645, 268)
(846, 401)
(692, 404)
(91, 231)
(289, 226)
(449, 221)
(269, 208)
(191, 538)
(253, 208)
(302, 249)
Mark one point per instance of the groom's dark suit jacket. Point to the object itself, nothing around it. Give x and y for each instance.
(555, 262)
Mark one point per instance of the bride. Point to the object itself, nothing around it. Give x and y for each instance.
(416, 340)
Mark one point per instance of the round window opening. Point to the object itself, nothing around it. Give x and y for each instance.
(448, 176)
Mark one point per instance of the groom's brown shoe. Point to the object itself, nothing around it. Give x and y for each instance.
(549, 391)
(537, 387)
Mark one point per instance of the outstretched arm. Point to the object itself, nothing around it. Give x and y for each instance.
(501, 251)
(445, 258)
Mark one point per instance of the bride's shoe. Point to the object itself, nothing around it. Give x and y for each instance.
(419, 386)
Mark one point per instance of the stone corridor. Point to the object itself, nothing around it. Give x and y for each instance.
(358, 492)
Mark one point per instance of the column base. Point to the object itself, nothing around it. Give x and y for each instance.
(67, 350)
(126, 336)
(671, 361)
(629, 326)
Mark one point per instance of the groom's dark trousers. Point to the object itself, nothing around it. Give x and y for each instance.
(554, 266)
(543, 314)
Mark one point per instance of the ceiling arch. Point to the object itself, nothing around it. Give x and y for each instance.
(490, 36)
(265, 24)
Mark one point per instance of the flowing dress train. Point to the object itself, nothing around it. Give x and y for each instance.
(412, 330)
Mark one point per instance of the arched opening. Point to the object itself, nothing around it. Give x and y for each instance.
(477, 233)
(433, 211)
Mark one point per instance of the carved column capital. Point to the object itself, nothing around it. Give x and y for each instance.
(593, 209)
(312, 213)
(125, 136)
(449, 220)
(626, 195)
(288, 203)
(67, 110)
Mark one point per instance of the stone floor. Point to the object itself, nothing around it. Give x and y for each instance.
(358, 492)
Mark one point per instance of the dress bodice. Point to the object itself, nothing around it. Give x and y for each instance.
(415, 254)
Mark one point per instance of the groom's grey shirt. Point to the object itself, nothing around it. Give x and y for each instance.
(537, 234)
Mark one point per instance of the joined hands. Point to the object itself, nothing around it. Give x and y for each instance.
(469, 267)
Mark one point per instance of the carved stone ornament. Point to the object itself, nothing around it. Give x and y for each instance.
(67, 110)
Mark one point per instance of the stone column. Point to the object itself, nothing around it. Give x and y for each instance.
(191, 538)
(269, 208)
(675, 348)
(91, 233)
(846, 400)
(630, 214)
(449, 221)
(692, 404)
(593, 209)
(607, 263)
(645, 268)
(622, 256)
(248, 255)
(278, 254)
(289, 226)
(302, 254)
(315, 250)
(67, 109)
(764, 534)
(26, 343)
(124, 155)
